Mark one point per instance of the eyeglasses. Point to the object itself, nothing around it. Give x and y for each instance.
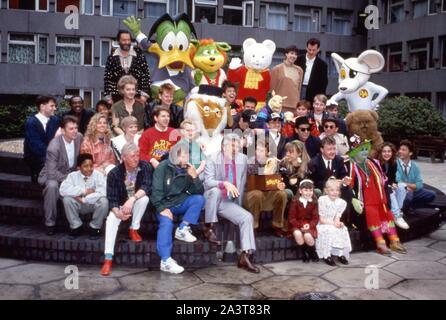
(329, 127)
(304, 129)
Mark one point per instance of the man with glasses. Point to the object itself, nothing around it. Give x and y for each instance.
(303, 129)
(331, 128)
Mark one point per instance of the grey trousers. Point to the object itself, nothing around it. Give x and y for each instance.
(50, 197)
(74, 208)
(216, 206)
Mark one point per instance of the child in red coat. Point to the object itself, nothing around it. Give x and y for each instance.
(303, 217)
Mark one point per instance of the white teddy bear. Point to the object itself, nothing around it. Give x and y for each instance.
(354, 85)
(253, 77)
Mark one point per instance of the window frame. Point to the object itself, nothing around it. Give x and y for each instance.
(427, 49)
(336, 15)
(36, 6)
(35, 42)
(443, 52)
(389, 10)
(82, 47)
(83, 8)
(244, 5)
(268, 10)
(207, 5)
(166, 2)
(311, 15)
(111, 8)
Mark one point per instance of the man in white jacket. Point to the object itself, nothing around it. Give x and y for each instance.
(84, 191)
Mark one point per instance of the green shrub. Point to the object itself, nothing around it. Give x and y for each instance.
(404, 116)
(13, 117)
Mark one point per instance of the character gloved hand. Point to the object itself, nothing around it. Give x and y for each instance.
(235, 63)
(134, 25)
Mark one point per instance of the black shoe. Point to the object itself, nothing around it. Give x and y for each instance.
(343, 260)
(74, 233)
(95, 234)
(313, 254)
(330, 261)
(305, 254)
(50, 231)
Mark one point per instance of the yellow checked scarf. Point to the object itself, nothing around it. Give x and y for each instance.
(253, 77)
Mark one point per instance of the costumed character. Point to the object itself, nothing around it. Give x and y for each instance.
(354, 85)
(289, 125)
(209, 57)
(172, 48)
(364, 123)
(253, 77)
(368, 182)
(274, 105)
(211, 113)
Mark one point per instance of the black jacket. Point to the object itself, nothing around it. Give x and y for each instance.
(319, 172)
(114, 71)
(318, 81)
(176, 115)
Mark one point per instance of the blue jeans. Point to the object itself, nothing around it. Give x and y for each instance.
(419, 198)
(190, 208)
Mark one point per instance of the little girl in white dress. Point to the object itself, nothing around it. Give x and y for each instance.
(333, 238)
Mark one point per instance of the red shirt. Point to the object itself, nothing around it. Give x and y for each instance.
(155, 144)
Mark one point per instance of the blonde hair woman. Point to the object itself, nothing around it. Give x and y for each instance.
(294, 166)
(128, 106)
(97, 142)
(130, 126)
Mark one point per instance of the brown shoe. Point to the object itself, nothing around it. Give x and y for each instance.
(383, 249)
(397, 247)
(244, 263)
(209, 234)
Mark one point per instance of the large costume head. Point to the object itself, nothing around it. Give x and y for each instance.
(354, 85)
(209, 56)
(173, 45)
(364, 123)
(258, 56)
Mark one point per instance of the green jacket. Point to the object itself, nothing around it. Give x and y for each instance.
(170, 188)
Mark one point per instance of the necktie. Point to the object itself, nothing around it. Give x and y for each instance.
(406, 171)
(329, 171)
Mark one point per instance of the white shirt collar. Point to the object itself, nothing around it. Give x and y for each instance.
(159, 129)
(304, 201)
(42, 118)
(409, 164)
(310, 60)
(66, 142)
(118, 51)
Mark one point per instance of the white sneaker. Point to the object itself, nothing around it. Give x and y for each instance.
(171, 266)
(185, 234)
(400, 222)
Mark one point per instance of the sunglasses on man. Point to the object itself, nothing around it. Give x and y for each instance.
(304, 129)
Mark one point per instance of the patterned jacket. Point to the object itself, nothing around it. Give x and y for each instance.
(114, 71)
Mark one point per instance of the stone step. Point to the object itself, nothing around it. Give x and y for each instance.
(19, 186)
(13, 163)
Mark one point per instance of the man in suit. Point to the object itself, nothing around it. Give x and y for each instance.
(60, 160)
(125, 60)
(315, 71)
(39, 130)
(224, 183)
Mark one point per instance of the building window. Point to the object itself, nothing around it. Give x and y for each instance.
(24, 48)
(233, 12)
(443, 6)
(394, 10)
(424, 7)
(274, 16)
(394, 57)
(306, 19)
(205, 11)
(108, 46)
(87, 7)
(339, 22)
(118, 8)
(74, 51)
(248, 13)
(155, 8)
(62, 4)
(443, 52)
(36, 5)
(441, 100)
(420, 55)
(86, 94)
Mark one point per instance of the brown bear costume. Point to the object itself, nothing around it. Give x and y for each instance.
(364, 123)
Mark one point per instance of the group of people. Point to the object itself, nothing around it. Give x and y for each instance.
(134, 149)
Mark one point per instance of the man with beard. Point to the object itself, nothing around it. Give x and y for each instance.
(125, 60)
(78, 111)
